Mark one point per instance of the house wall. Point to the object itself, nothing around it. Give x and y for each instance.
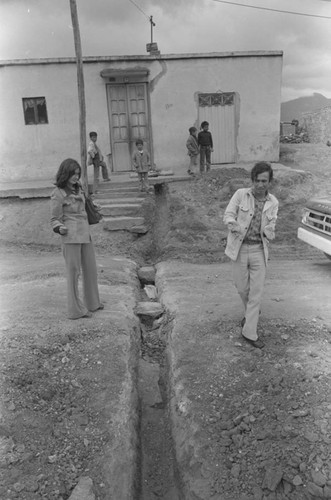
(257, 83)
(317, 125)
(35, 151)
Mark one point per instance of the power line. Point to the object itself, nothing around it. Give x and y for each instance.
(134, 3)
(273, 10)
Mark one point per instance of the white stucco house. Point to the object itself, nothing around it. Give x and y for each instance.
(154, 97)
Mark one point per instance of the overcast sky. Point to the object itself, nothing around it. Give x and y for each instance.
(42, 28)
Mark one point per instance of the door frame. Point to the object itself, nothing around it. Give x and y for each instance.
(128, 77)
(221, 99)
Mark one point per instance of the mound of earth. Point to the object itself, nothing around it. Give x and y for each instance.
(194, 230)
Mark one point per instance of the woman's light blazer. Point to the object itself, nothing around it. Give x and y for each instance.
(69, 210)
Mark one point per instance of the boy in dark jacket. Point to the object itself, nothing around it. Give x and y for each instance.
(205, 141)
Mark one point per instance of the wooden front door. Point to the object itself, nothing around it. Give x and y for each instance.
(219, 111)
(128, 121)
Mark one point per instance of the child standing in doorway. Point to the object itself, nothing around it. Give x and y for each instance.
(95, 158)
(141, 163)
(205, 141)
(192, 149)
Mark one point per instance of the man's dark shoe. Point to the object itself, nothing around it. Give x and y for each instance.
(255, 343)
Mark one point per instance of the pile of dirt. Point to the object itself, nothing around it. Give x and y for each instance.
(196, 232)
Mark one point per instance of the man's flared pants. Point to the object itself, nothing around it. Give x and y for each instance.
(249, 271)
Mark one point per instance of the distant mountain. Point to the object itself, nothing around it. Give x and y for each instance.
(291, 110)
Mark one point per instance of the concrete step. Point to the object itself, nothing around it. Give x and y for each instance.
(118, 209)
(122, 223)
(120, 194)
(152, 174)
(118, 201)
(119, 187)
(108, 195)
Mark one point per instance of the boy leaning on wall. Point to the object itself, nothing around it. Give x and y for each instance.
(192, 150)
(95, 158)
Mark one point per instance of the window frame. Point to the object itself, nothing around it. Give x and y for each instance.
(38, 117)
(216, 99)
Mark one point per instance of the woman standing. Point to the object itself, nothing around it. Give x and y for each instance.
(69, 219)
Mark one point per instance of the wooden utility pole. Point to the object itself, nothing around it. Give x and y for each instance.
(81, 91)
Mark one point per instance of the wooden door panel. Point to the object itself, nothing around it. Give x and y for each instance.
(118, 113)
(122, 156)
(138, 112)
(221, 119)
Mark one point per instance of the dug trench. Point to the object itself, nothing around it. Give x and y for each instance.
(250, 425)
(158, 472)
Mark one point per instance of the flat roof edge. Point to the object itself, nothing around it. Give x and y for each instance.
(162, 57)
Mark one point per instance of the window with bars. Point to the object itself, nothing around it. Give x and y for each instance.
(216, 99)
(35, 111)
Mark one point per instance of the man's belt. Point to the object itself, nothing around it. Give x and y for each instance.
(252, 242)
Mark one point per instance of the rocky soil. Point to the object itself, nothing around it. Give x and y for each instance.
(266, 414)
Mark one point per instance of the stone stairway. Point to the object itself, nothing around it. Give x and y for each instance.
(121, 204)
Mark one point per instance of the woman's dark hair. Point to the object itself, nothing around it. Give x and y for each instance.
(203, 124)
(259, 168)
(67, 169)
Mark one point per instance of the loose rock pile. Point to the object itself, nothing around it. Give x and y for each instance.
(267, 416)
(295, 138)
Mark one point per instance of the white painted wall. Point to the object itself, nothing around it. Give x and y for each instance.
(257, 82)
(35, 151)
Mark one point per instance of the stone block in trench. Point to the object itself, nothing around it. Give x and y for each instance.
(150, 309)
(146, 275)
(143, 229)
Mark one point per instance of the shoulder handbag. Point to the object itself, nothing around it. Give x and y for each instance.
(93, 214)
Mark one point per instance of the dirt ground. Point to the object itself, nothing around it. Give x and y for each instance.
(294, 403)
(246, 413)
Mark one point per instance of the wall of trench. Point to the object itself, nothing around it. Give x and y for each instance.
(157, 468)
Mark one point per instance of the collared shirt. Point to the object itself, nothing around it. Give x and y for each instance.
(93, 150)
(254, 231)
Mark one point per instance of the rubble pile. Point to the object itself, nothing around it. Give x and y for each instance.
(295, 138)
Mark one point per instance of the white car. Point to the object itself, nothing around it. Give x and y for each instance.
(315, 228)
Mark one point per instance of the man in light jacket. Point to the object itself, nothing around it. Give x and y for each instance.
(251, 217)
